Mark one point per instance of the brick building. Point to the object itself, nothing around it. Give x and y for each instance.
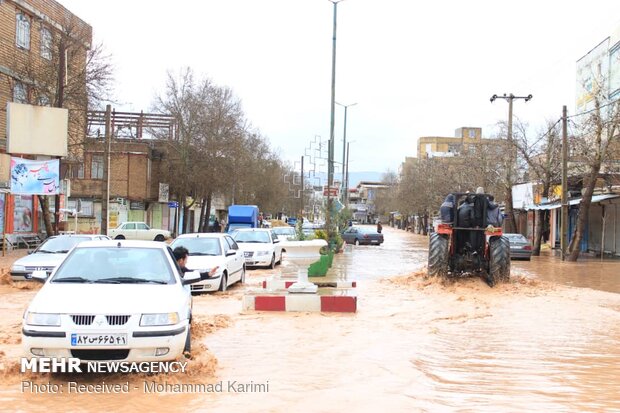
(32, 60)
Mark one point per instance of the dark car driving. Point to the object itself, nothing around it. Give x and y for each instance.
(362, 236)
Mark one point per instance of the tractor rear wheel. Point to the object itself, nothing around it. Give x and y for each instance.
(438, 255)
(499, 260)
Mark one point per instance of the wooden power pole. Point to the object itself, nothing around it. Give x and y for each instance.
(564, 217)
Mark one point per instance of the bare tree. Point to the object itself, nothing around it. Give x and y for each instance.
(599, 133)
(216, 152)
(543, 158)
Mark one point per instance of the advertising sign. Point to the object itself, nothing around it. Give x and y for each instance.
(164, 191)
(614, 71)
(29, 177)
(592, 71)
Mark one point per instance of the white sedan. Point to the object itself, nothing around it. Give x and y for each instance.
(49, 255)
(112, 300)
(139, 231)
(211, 250)
(260, 246)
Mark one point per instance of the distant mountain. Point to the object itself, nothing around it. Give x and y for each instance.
(354, 178)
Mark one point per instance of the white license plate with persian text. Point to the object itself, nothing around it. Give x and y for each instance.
(115, 339)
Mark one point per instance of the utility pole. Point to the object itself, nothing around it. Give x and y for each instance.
(564, 217)
(511, 225)
(105, 199)
(60, 101)
(346, 187)
(344, 147)
(330, 156)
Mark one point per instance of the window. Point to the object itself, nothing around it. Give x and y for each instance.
(231, 242)
(19, 93)
(472, 133)
(142, 227)
(131, 226)
(84, 206)
(43, 100)
(226, 246)
(22, 31)
(77, 171)
(96, 171)
(46, 44)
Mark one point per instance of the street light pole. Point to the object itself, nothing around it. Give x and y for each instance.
(344, 150)
(330, 156)
(511, 225)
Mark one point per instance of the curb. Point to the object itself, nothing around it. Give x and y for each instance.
(301, 302)
(283, 284)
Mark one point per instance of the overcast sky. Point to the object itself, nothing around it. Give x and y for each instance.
(413, 68)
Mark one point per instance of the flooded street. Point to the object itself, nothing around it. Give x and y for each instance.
(535, 344)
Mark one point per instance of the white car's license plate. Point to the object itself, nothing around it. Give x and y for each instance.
(115, 339)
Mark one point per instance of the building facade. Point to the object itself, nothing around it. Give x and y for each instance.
(34, 71)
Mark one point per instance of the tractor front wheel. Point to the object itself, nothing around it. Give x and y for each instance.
(499, 260)
(438, 255)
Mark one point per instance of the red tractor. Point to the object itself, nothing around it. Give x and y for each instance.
(466, 243)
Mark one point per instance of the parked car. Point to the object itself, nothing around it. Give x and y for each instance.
(139, 231)
(260, 247)
(49, 255)
(284, 233)
(362, 236)
(207, 251)
(520, 247)
(112, 300)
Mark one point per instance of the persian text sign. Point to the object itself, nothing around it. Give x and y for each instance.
(30, 177)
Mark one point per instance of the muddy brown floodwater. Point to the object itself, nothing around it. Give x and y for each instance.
(538, 343)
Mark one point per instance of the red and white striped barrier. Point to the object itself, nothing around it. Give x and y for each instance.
(301, 302)
(284, 284)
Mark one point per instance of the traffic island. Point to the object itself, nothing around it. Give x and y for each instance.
(282, 294)
(341, 303)
(276, 284)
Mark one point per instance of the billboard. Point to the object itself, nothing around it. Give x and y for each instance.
(36, 130)
(29, 177)
(614, 71)
(592, 74)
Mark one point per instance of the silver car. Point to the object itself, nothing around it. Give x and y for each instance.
(49, 255)
(520, 247)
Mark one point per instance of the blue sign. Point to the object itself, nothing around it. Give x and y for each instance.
(173, 204)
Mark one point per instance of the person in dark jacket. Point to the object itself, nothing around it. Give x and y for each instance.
(181, 253)
(379, 227)
(446, 210)
(494, 215)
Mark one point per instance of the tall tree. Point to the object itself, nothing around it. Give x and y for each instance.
(543, 158)
(599, 134)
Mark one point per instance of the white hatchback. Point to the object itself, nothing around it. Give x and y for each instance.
(112, 300)
(260, 246)
(209, 250)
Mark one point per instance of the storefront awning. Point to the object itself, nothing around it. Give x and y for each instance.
(595, 199)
